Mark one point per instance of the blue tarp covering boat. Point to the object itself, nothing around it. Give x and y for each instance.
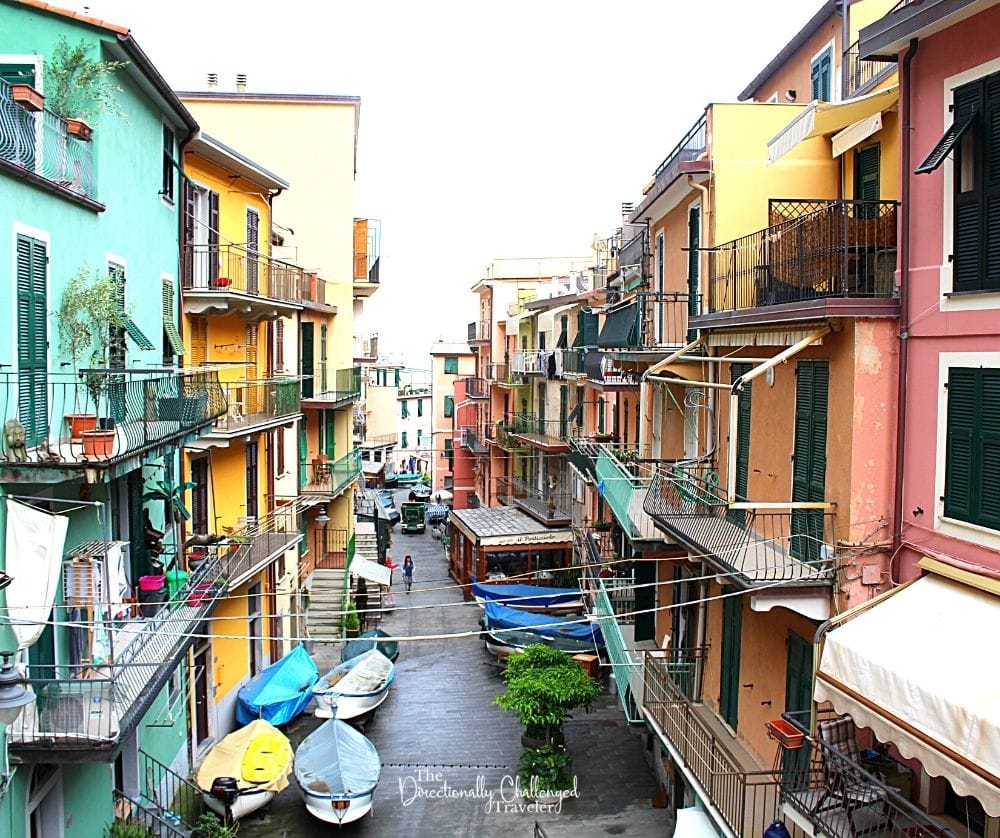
(279, 693)
(367, 641)
(337, 768)
(500, 617)
(535, 597)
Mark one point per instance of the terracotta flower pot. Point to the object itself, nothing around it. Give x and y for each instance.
(98, 443)
(79, 129)
(80, 422)
(27, 97)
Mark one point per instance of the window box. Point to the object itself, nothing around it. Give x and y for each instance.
(785, 733)
(79, 129)
(27, 97)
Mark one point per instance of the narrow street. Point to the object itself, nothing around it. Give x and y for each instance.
(439, 728)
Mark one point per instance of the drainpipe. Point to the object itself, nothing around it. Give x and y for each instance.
(904, 301)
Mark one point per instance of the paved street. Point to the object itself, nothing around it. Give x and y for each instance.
(439, 729)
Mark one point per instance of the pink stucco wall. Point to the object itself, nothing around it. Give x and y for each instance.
(962, 47)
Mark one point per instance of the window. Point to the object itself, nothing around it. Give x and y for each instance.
(403, 441)
(450, 454)
(972, 464)
(541, 340)
(279, 445)
(167, 185)
(279, 344)
(449, 406)
(32, 338)
(451, 366)
(822, 75)
(404, 409)
(420, 407)
(563, 341)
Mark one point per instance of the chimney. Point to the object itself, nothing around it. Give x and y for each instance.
(627, 209)
(241, 82)
(213, 81)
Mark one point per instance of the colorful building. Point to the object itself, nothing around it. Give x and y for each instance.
(449, 362)
(413, 409)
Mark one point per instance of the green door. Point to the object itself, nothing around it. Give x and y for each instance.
(798, 700)
(323, 382)
(812, 389)
(32, 340)
(307, 361)
(694, 267)
(742, 464)
(563, 411)
(328, 433)
(732, 630)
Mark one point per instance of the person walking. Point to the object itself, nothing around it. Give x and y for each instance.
(408, 573)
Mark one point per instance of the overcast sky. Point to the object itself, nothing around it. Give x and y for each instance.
(487, 130)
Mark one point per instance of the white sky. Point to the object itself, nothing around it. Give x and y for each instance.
(487, 131)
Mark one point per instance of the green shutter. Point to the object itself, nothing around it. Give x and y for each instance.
(403, 442)
(322, 358)
(972, 466)
(331, 447)
(449, 406)
(420, 407)
(600, 415)
(136, 525)
(742, 464)
(404, 410)
(694, 267)
(32, 339)
(307, 361)
(991, 188)
(866, 180)
(451, 366)
(798, 697)
(563, 342)
(563, 411)
(169, 322)
(732, 631)
(578, 410)
(18, 73)
(396, 371)
(821, 76)
(809, 467)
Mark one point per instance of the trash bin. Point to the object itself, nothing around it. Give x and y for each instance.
(176, 579)
(152, 600)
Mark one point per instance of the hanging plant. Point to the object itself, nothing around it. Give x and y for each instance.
(80, 87)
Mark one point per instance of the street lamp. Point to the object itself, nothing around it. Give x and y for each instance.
(14, 697)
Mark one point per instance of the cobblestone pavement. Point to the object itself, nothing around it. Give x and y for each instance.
(438, 733)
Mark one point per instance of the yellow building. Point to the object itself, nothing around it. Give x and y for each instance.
(238, 306)
(316, 223)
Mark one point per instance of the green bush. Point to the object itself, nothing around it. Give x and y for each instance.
(209, 825)
(351, 620)
(545, 769)
(126, 829)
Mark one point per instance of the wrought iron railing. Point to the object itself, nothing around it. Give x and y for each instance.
(691, 145)
(40, 144)
(812, 250)
(313, 289)
(249, 548)
(792, 544)
(101, 416)
(145, 814)
(529, 426)
(635, 255)
(476, 388)
(544, 503)
(230, 268)
(497, 372)
(471, 438)
(176, 797)
(254, 403)
(346, 385)
(627, 474)
(330, 478)
(860, 75)
(663, 317)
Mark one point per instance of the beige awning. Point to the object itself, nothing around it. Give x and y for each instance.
(822, 119)
(914, 669)
(372, 571)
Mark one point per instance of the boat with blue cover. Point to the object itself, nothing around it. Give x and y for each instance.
(530, 597)
(367, 640)
(337, 768)
(280, 692)
(508, 630)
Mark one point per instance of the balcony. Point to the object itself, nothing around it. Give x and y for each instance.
(317, 394)
(223, 279)
(367, 235)
(818, 259)
(861, 76)
(583, 456)
(104, 418)
(330, 479)
(480, 332)
(252, 547)
(472, 439)
(366, 349)
(747, 800)
(476, 388)
(379, 440)
(505, 376)
(551, 508)
(313, 293)
(257, 406)
(756, 545)
(627, 478)
(38, 147)
(551, 435)
(571, 361)
(633, 261)
(691, 148)
(528, 362)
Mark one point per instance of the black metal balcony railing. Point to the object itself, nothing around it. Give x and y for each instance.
(325, 478)
(480, 331)
(171, 794)
(152, 819)
(860, 75)
(813, 249)
(250, 548)
(254, 403)
(41, 145)
(102, 416)
(346, 385)
(634, 259)
(471, 438)
(793, 545)
(313, 289)
(476, 388)
(571, 361)
(534, 429)
(229, 268)
(497, 372)
(663, 317)
(540, 503)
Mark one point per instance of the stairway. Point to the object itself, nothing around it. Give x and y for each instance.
(326, 600)
(366, 547)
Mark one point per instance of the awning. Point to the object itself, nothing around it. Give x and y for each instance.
(372, 469)
(620, 327)
(914, 669)
(547, 321)
(825, 118)
(372, 571)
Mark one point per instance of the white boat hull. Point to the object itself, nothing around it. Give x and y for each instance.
(248, 801)
(345, 707)
(323, 808)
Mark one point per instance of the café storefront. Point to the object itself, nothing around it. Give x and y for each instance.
(503, 543)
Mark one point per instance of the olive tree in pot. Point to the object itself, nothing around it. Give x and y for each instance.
(79, 87)
(543, 686)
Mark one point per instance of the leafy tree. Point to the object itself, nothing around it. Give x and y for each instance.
(80, 87)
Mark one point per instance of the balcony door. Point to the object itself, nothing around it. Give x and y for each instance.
(253, 479)
(798, 700)
(201, 229)
(694, 265)
(201, 695)
(32, 339)
(732, 631)
(199, 496)
(307, 360)
(812, 388)
(742, 464)
(253, 250)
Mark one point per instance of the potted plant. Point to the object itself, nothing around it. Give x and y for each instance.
(602, 526)
(88, 307)
(27, 97)
(172, 495)
(80, 87)
(544, 772)
(352, 623)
